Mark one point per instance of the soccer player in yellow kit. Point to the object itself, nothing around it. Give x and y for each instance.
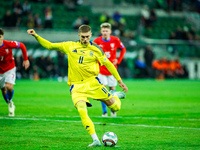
(83, 69)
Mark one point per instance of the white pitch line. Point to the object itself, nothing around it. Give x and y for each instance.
(150, 118)
(115, 124)
(36, 119)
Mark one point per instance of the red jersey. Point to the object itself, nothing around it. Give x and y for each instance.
(6, 56)
(110, 47)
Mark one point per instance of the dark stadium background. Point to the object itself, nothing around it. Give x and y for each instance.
(169, 27)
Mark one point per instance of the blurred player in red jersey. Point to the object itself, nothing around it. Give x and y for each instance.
(109, 44)
(8, 69)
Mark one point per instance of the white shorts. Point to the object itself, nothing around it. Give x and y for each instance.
(8, 77)
(108, 80)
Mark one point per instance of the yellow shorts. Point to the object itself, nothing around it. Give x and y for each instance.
(91, 88)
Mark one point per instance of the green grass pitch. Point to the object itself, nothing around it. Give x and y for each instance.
(155, 115)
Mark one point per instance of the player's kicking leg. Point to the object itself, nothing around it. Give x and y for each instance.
(114, 102)
(120, 95)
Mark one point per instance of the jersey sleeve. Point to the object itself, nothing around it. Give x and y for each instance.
(123, 51)
(13, 44)
(120, 45)
(17, 45)
(112, 69)
(24, 51)
(104, 61)
(48, 45)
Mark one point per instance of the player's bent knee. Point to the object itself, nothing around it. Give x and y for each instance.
(81, 106)
(9, 86)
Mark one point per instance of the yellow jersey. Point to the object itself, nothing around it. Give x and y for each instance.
(82, 59)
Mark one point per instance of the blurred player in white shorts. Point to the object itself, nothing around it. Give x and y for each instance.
(8, 69)
(108, 80)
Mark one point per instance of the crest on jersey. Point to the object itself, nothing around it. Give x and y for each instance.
(82, 52)
(112, 46)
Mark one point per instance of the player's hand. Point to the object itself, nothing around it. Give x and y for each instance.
(26, 64)
(114, 62)
(123, 86)
(31, 32)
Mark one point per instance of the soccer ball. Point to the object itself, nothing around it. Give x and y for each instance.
(109, 139)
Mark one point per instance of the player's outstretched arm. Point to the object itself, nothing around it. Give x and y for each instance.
(26, 62)
(46, 44)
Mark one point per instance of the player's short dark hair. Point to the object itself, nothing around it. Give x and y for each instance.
(105, 25)
(1, 31)
(84, 28)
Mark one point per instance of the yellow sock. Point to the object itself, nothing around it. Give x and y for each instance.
(116, 105)
(86, 121)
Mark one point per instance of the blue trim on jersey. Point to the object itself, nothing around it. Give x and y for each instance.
(106, 40)
(2, 45)
(90, 42)
(108, 94)
(71, 88)
(98, 80)
(18, 44)
(75, 51)
(104, 90)
(122, 47)
(81, 59)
